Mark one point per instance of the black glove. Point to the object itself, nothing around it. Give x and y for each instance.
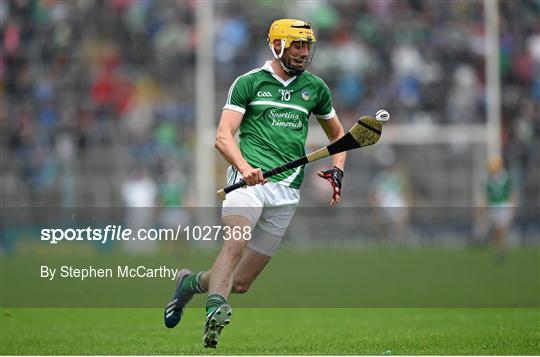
(334, 176)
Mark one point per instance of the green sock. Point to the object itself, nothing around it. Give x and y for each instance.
(192, 284)
(213, 302)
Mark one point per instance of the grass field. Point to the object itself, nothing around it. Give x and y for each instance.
(358, 301)
(331, 277)
(263, 331)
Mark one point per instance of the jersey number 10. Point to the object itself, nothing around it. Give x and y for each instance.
(286, 96)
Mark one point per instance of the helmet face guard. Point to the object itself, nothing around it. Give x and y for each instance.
(296, 65)
(289, 31)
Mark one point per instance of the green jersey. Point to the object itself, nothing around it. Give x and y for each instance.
(276, 112)
(498, 188)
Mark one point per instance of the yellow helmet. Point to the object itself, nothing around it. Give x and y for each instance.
(290, 30)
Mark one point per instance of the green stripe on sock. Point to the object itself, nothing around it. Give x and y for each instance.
(191, 285)
(213, 302)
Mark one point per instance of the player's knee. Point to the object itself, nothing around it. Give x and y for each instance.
(241, 287)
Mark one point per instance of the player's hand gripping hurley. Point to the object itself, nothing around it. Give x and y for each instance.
(365, 132)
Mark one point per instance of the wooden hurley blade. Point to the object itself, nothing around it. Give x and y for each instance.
(367, 131)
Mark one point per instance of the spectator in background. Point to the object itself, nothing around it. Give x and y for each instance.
(66, 151)
(139, 193)
(171, 195)
(37, 168)
(462, 102)
(390, 192)
(231, 41)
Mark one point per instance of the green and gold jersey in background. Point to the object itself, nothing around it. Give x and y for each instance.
(276, 112)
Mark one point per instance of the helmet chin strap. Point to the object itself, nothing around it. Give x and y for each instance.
(289, 71)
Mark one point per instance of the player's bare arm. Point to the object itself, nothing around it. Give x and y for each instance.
(227, 146)
(334, 130)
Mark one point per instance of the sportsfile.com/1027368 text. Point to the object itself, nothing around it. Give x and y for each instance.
(119, 233)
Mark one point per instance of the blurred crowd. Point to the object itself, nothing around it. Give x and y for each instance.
(100, 94)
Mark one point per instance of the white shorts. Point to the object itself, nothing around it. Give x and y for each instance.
(500, 215)
(268, 207)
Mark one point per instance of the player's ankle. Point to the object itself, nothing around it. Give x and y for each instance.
(213, 302)
(192, 285)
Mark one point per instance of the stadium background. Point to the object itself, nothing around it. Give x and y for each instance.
(99, 109)
(92, 89)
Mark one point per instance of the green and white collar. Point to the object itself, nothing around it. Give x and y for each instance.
(268, 67)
